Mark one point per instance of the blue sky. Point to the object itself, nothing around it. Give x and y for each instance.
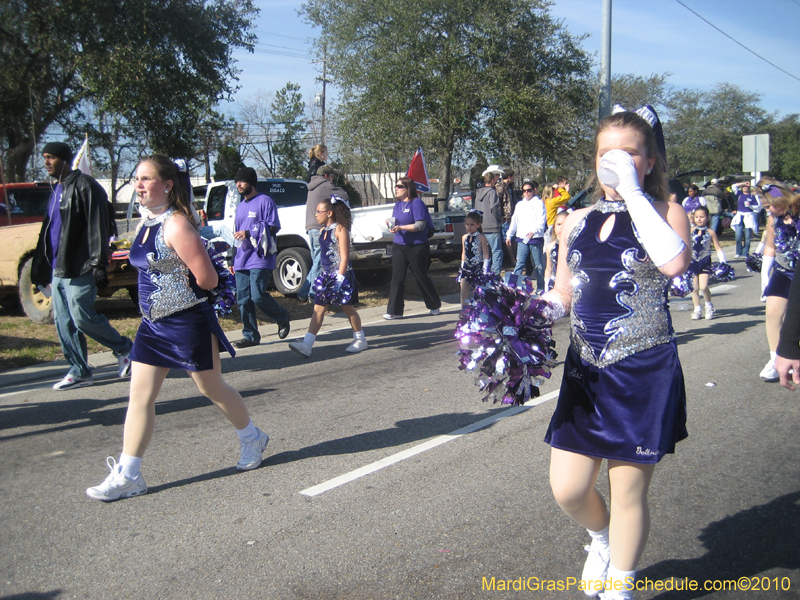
(649, 36)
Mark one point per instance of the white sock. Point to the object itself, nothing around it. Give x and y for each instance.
(600, 537)
(249, 433)
(772, 356)
(310, 338)
(359, 335)
(131, 466)
(620, 584)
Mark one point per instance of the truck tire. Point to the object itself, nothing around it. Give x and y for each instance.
(374, 277)
(291, 269)
(36, 305)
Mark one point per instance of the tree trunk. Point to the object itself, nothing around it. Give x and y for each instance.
(18, 157)
(446, 172)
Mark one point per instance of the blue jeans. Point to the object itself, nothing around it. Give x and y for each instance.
(75, 317)
(495, 242)
(535, 252)
(714, 223)
(251, 291)
(305, 290)
(742, 249)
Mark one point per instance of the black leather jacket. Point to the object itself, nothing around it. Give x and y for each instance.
(85, 219)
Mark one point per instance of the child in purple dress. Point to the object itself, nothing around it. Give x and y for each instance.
(622, 397)
(702, 239)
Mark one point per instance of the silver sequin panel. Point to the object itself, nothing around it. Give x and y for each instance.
(333, 249)
(476, 260)
(783, 258)
(706, 250)
(645, 323)
(169, 275)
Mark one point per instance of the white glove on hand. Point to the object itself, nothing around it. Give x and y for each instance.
(618, 171)
(766, 271)
(339, 280)
(487, 265)
(721, 256)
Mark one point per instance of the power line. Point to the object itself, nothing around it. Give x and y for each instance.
(737, 41)
(289, 37)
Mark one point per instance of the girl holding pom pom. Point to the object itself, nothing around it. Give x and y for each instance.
(336, 285)
(475, 256)
(622, 397)
(781, 252)
(702, 239)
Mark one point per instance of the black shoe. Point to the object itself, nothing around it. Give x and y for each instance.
(283, 330)
(245, 343)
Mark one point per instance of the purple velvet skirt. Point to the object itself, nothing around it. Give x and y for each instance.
(779, 283)
(701, 266)
(180, 341)
(633, 410)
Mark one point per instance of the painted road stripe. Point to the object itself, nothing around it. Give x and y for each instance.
(438, 441)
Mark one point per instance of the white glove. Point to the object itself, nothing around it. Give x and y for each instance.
(721, 256)
(339, 280)
(618, 171)
(463, 264)
(760, 248)
(766, 268)
(487, 265)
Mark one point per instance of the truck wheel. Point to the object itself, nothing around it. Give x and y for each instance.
(373, 277)
(36, 305)
(291, 270)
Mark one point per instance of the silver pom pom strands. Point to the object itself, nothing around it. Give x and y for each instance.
(753, 262)
(507, 340)
(223, 296)
(722, 272)
(681, 286)
(329, 292)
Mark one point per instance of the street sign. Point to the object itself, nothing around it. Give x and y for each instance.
(755, 153)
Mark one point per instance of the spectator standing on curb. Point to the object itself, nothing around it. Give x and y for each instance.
(488, 203)
(505, 194)
(745, 217)
(256, 225)
(320, 189)
(714, 199)
(317, 157)
(528, 226)
(72, 255)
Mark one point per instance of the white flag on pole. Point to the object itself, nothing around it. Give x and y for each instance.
(83, 159)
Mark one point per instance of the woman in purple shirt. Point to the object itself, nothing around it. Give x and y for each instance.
(410, 248)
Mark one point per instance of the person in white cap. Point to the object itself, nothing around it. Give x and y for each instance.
(488, 203)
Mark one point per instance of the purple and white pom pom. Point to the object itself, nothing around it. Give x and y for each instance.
(477, 277)
(681, 286)
(223, 296)
(722, 272)
(506, 340)
(753, 262)
(327, 292)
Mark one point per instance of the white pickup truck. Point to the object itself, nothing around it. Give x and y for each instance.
(371, 242)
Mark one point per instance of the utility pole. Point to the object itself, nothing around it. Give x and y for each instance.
(605, 62)
(321, 100)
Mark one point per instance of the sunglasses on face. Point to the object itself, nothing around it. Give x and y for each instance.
(527, 190)
(399, 186)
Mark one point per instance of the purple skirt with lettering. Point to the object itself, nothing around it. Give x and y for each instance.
(633, 410)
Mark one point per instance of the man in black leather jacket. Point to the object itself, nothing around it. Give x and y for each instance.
(72, 255)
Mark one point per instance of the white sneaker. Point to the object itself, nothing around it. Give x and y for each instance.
(389, 317)
(595, 569)
(116, 485)
(435, 312)
(769, 373)
(124, 362)
(251, 452)
(697, 314)
(709, 311)
(69, 382)
(301, 348)
(357, 346)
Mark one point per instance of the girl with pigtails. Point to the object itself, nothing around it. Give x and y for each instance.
(622, 397)
(336, 285)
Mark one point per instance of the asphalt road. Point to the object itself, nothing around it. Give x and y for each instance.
(439, 521)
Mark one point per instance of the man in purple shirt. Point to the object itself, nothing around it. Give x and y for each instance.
(256, 225)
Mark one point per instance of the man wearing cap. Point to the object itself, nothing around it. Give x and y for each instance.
(256, 225)
(320, 188)
(487, 202)
(71, 256)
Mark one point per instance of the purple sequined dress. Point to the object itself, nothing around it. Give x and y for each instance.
(787, 248)
(701, 252)
(177, 319)
(623, 395)
(330, 260)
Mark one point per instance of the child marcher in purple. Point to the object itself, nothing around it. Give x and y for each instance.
(702, 240)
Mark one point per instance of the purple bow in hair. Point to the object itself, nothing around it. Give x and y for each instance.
(648, 113)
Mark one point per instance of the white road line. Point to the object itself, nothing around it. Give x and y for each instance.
(722, 287)
(438, 441)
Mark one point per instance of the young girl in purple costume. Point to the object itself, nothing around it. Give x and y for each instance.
(702, 239)
(475, 256)
(781, 251)
(622, 397)
(334, 247)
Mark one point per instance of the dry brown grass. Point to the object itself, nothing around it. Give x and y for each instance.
(23, 343)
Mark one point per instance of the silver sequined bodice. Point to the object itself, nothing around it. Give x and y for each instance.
(619, 296)
(473, 253)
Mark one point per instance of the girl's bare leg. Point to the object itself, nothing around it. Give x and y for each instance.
(146, 381)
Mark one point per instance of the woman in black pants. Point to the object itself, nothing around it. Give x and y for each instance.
(410, 249)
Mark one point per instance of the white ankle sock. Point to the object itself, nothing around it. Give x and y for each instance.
(310, 338)
(600, 536)
(620, 584)
(359, 335)
(249, 433)
(131, 466)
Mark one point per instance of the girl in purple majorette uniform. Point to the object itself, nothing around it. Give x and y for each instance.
(336, 284)
(622, 397)
(475, 257)
(745, 218)
(781, 251)
(702, 239)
